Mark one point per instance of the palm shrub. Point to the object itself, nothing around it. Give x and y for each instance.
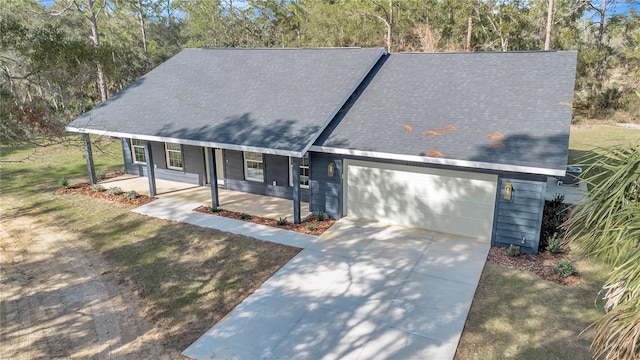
(607, 227)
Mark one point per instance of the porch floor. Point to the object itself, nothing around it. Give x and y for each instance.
(252, 204)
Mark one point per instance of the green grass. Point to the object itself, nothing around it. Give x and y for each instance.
(26, 170)
(190, 277)
(187, 277)
(518, 316)
(587, 138)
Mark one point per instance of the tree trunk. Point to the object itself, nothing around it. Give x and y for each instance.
(390, 27)
(603, 12)
(144, 34)
(547, 38)
(95, 36)
(469, 30)
(598, 70)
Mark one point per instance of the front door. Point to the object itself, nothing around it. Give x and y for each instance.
(219, 166)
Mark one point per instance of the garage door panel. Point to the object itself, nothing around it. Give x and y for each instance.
(440, 200)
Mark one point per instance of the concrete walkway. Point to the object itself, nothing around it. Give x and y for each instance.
(362, 290)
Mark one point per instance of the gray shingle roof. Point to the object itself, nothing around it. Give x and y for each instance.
(511, 108)
(269, 100)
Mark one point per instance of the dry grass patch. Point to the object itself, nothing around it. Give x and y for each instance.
(185, 277)
(516, 315)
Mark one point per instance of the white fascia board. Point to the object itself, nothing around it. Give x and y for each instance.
(344, 101)
(186, 142)
(440, 161)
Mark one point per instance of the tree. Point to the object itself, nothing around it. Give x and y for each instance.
(547, 37)
(607, 227)
(43, 78)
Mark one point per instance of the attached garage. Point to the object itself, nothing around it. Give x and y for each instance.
(455, 202)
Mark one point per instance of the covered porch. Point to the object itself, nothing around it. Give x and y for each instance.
(252, 204)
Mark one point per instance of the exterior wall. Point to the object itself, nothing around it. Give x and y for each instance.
(513, 220)
(521, 217)
(276, 176)
(193, 163)
(326, 192)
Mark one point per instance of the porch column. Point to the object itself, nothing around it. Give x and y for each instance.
(295, 162)
(151, 170)
(88, 154)
(213, 175)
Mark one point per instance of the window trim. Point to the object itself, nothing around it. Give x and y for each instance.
(245, 162)
(308, 167)
(167, 151)
(133, 151)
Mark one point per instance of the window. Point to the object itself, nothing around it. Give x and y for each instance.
(137, 151)
(253, 166)
(174, 156)
(304, 171)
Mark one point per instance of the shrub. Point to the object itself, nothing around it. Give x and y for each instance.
(609, 99)
(63, 182)
(282, 221)
(245, 216)
(311, 227)
(554, 244)
(131, 195)
(513, 250)
(97, 188)
(565, 268)
(321, 216)
(101, 175)
(214, 209)
(114, 191)
(554, 215)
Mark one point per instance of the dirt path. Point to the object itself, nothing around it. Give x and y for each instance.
(59, 301)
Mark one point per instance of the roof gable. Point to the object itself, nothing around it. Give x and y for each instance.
(268, 100)
(505, 111)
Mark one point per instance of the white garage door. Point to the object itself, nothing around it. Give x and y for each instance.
(454, 202)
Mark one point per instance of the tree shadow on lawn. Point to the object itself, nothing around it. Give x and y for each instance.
(517, 316)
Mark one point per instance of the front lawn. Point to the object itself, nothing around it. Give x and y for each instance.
(186, 277)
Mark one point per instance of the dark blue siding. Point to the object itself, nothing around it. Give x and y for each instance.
(193, 157)
(276, 169)
(521, 217)
(190, 156)
(326, 192)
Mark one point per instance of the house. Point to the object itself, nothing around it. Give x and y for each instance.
(460, 143)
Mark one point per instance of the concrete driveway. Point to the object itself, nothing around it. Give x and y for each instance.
(363, 290)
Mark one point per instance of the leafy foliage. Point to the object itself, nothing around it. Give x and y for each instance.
(131, 195)
(513, 250)
(321, 216)
(565, 268)
(554, 215)
(607, 227)
(114, 190)
(554, 244)
(98, 188)
(63, 182)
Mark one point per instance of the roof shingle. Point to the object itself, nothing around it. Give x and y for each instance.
(511, 108)
(269, 100)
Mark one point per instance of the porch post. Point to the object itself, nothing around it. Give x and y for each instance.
(88, 154)
(151, 171)
(213, 175)
(295, 162)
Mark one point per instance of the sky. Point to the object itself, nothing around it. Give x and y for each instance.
(621, 8)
